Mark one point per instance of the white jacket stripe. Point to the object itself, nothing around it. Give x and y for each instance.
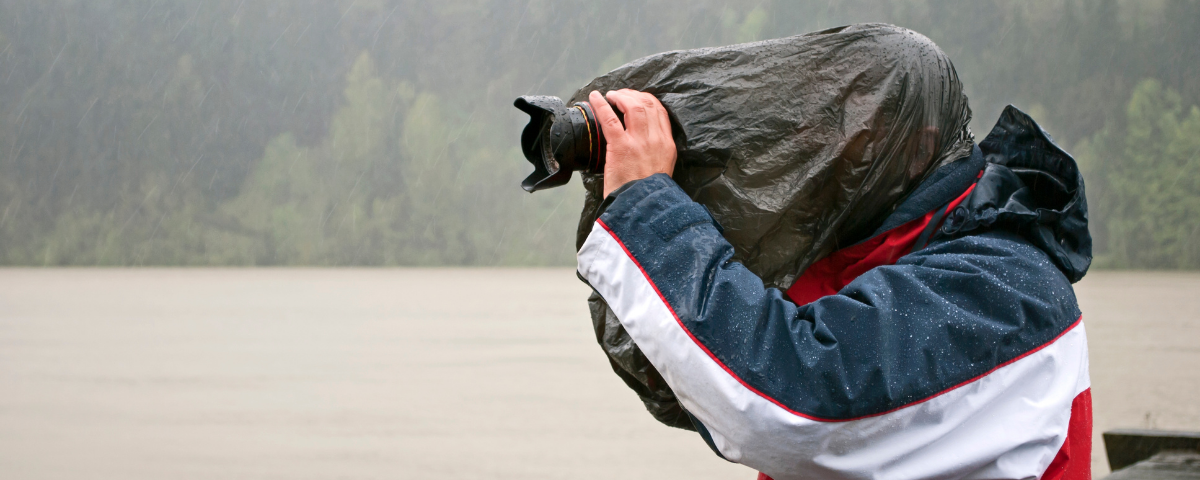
(1009, 423)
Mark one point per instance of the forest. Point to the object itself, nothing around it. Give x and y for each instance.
(379, 132)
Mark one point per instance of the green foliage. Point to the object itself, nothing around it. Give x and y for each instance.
(748, 29)
(390, 185)
(354, 132)
(1148, 182)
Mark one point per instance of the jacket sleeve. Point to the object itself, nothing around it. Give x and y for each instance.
(960, 361)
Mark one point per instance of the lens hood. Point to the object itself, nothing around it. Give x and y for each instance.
(558, 140)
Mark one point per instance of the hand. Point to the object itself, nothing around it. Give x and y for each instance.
(643, 146)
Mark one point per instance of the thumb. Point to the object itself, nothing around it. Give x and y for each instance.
(609, 123)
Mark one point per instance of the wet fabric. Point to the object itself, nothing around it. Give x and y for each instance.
(796, 146)
(917, 367)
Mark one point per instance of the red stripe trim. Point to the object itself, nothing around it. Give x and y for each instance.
(689, 332)
(997, 367)
(776, 402)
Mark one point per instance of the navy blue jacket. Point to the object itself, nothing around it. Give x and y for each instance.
(948, 344)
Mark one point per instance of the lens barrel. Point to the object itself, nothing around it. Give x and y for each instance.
(559, 140)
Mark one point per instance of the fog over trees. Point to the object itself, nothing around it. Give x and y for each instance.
(372, 132)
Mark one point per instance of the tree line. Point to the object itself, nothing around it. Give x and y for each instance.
(372, 132)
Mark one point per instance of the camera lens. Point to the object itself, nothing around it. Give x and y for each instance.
(559, 140)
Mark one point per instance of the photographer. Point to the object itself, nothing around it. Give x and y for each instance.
(946, 344)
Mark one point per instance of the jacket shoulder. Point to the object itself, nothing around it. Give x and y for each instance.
(1016, 268)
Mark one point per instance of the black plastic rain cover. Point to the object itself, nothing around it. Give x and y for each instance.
(797, 146)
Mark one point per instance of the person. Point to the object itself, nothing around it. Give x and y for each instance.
(946, 344)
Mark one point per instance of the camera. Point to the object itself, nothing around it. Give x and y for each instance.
(558, 140)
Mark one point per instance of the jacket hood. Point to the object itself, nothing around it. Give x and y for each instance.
(1032, 187)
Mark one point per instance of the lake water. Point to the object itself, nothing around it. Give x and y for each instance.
(410, 373)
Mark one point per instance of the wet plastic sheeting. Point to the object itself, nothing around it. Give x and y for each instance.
(797, 146)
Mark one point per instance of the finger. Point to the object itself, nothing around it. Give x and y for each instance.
(664, 118)
(655, 114)
(619, 99)
(659, 123)
(606, 117)
(636, 117)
